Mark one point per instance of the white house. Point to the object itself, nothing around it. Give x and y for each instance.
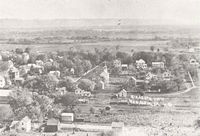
(141, 64)
(23, 126)
(122, 93)
(2, 81)
(67, 117)
(158, 64)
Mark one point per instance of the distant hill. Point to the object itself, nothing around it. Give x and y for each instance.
(56, 23)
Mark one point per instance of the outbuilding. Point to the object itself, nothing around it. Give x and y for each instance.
(52, 125)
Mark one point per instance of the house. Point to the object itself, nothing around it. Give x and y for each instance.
(67, 117)
(117, 63)
(13, 73)
(21, 126)
(122, 93)
(124, 68)
(166, 75)
(158, 65)
(141, 64)
(2, 81)
(52, 125)
(4, 96)
(117, 127)
(105, 75)
(56, 73)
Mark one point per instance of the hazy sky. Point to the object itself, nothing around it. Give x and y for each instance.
(184, 11)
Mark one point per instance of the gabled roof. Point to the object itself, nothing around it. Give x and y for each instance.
(67, 114)
(52, 122)
(140, 61)
(26, 119)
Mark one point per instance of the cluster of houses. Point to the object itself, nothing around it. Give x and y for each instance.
(141, 66)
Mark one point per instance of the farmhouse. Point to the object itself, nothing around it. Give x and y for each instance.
(158, 65)
(141, 64)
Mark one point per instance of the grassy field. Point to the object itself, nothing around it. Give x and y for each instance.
(125, 46)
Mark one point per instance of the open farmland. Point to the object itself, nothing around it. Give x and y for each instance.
(125, 46)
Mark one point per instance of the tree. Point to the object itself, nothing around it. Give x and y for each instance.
(42, 57)
(4, 66)
(68, 100)
(43, 85)
(28, 50)
(6, 113)
(92, 110)
(152, 48)
(86, 65)
(87, 85)
(33, 105)
(68, 82)
(19, 50)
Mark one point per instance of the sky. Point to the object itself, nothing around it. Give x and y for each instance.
(177, 11)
